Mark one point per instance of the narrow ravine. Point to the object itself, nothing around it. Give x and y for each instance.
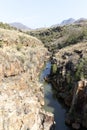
(51, 102)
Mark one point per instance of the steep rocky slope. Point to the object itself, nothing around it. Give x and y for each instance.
(68, 45)
(70, 81)
(21, 94)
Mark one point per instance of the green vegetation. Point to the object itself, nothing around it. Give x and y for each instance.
(46, 35)
(59, 37)
(54, 68)
(56, 38)
(81, 72)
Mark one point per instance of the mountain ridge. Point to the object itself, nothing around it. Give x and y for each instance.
(70, 21)
(67, 21)
(19, 25)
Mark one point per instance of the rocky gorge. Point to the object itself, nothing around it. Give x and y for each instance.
(22, 58)
(68, 46)
(69, 78)
(21, 94)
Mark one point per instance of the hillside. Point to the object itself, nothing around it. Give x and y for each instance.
(6, 26)
(21, 94)
(12, 37)
(58, 37)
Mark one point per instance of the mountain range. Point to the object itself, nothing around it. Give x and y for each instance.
(64, 22)
(67, 21)
(70, 21)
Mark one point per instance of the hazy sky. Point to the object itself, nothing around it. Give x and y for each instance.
(41, 13)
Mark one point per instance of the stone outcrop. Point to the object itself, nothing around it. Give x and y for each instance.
(21, 93)
(77, 113)
(70, 82)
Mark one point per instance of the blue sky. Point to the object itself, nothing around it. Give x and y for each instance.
(41, 13)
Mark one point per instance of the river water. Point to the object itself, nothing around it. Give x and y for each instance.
(51, 102)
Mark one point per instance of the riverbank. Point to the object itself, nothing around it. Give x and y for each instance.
(52, 104)
(71, 92)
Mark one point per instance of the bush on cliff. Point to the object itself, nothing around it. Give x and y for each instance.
(81, 72)
(54, 68)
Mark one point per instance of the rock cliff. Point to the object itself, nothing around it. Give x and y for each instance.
(70, 81)
(21, 93)
(68, 45)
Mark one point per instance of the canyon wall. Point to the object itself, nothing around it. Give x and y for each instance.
(21, 94)
(69, 78)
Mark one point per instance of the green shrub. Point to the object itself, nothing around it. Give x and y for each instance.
(75, 37)
(81, 72)
(54, 68)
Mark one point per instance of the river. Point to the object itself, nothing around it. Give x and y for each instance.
(51, 102)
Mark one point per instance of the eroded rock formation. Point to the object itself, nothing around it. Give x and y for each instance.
(21, 93)
(70, 82)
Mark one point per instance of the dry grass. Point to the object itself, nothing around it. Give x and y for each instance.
(70, 49)
(12, 37)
